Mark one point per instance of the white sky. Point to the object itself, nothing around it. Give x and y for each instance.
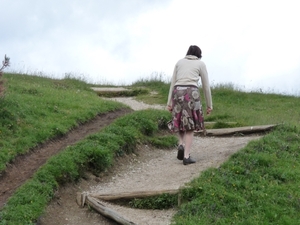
(251, 43)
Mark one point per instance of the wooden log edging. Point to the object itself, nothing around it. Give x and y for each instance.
(236, 130)
(132, 195)
(94, 201)
(102, 209)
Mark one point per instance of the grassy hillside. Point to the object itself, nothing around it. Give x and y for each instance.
(258, 185)
(252, 108)
(36, 109)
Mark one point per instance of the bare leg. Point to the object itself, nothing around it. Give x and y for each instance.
(181, 137)
(189, 135)
(180, 152)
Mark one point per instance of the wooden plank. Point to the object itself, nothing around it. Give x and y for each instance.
(107, 212)
(236, 130)
(132, 195)
(109, 89)
(212, 123)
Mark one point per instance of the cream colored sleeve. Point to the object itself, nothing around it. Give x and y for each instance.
(206, 86)
(169, 103)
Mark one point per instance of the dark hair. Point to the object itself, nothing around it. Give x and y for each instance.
(194, 50)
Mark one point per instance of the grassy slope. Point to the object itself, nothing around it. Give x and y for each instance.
(258, 185)
(255, 108)
(231, 105)
(36, 109)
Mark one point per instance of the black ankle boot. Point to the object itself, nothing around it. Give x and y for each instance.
(188, 161)
(180, 152)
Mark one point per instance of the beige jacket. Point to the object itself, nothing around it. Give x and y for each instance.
(188, 71)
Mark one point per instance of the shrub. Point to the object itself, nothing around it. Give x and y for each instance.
(5, 63)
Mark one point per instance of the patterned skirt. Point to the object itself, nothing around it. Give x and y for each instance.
(187, 113)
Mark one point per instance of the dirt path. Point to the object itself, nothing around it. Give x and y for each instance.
(148, 169)
(24, 166)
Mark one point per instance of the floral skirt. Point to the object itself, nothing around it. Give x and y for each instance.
(187, 113)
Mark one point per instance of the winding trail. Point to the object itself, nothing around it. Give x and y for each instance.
(148, 168)
(24, 166)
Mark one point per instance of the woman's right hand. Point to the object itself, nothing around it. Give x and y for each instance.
(208, 110)
(169, 108)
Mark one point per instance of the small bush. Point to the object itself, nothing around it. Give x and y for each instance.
(5, 63)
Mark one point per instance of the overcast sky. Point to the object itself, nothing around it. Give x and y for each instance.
(251, 43)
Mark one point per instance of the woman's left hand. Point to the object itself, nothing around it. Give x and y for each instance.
(169, 108)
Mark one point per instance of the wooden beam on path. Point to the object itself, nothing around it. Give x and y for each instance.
(132, 195)
(109, 89)
(236, 130)
(107, 212)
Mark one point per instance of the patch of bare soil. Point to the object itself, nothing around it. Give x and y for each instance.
(25, 165)
(147, 169)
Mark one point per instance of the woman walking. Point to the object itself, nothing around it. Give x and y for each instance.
(184, 100)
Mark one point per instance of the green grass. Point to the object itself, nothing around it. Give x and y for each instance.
(163, 201)
(156, 84)
(95, 154)
(232, 105)
(37, 109)
(254, 108)
(257, 185)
